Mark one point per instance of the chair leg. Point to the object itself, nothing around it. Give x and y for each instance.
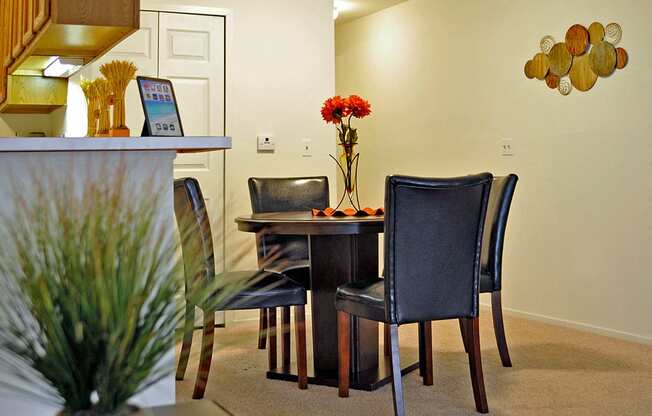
(285, 336)
(425, 352)
(463, 331)
(188, 327)
(206, 354)
(302, 360)
(397, 385)
(475, 365)
(386, 344)
(499, 328)
(271, 335)
(262, 329)
(344, 351)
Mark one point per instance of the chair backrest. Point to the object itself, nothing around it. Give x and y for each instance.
(196, 237)
(287, 194)
(500, 199)
(433, 237)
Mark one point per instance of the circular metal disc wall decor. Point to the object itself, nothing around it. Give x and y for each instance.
(552, 81)
(547, 42)
(581, 75)
(577, 63)
(621, 58)
(596, 33)
(565, 86)
(528, 69)
(560, 59)
(603, 59)
(540, 65)
(577, 40)
(613, 33)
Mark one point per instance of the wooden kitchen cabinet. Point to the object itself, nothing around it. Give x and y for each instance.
(83, 29)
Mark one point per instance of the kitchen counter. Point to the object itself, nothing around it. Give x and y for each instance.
(190, 144)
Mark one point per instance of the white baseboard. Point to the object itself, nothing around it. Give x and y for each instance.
(627, 336)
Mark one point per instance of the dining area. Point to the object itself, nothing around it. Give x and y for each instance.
(443, 247)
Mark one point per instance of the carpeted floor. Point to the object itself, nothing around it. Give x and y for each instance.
(557, 371)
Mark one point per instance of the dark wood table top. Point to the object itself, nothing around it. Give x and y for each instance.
(304, 223)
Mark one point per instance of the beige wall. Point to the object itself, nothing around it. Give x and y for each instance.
(446, 83)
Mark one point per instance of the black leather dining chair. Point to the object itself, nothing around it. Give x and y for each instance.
(500, 200)
(265, 290)
(433, 240)
(279, 195)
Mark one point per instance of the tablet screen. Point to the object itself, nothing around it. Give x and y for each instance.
(159, 103)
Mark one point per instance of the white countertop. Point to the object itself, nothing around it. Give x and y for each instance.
(189, 144)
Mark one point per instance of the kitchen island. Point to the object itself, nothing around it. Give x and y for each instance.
(148, 163)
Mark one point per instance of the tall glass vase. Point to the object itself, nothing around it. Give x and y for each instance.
(348, 164)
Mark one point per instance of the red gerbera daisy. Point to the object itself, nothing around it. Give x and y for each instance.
(335, 109)
(358, 106)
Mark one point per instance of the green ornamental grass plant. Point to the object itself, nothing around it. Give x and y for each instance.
(88, 295)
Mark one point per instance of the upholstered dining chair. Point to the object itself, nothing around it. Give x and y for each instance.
(433, 240)
(278, 195)
(500, 200)
(266, 289)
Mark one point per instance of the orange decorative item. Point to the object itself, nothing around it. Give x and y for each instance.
(340, 111)
(577, 40)
(348, 212)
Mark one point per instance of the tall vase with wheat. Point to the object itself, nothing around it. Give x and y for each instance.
(119, 74)
(104, 98)
(340, 111)
(90, 94)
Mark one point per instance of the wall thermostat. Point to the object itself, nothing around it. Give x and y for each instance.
(266, 144)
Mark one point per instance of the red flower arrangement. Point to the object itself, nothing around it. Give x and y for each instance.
(340, 111)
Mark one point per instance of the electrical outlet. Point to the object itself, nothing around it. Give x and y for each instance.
(506, 147)
(306, 148)
(266, 144)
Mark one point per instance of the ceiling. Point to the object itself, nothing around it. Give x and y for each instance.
(354, 9)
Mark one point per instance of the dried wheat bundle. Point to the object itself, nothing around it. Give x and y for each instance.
(104, 98)
(119, 74)
(91, 105)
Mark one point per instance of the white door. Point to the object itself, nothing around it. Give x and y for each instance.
(191, 54)
(189, 50)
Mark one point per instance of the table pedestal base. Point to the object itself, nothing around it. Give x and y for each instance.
(367, 380)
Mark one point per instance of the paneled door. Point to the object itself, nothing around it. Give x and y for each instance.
(188, 50)
(191, 55)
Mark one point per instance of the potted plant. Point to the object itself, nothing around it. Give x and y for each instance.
(88, 295)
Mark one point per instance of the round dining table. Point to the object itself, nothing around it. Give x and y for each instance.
(342, 250)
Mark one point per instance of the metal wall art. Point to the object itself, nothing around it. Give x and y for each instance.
(583, 57)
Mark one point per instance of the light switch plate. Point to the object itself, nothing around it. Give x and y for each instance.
(506, 147)
(266, 144)
(306, 148)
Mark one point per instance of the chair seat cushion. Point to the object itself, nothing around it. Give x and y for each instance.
(486, 283)
(365, 298)
(296, 269)
(268, 290)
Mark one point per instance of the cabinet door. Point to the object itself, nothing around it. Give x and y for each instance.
(41, 10)
(17, 28)
(28, 19)
(5, 33)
